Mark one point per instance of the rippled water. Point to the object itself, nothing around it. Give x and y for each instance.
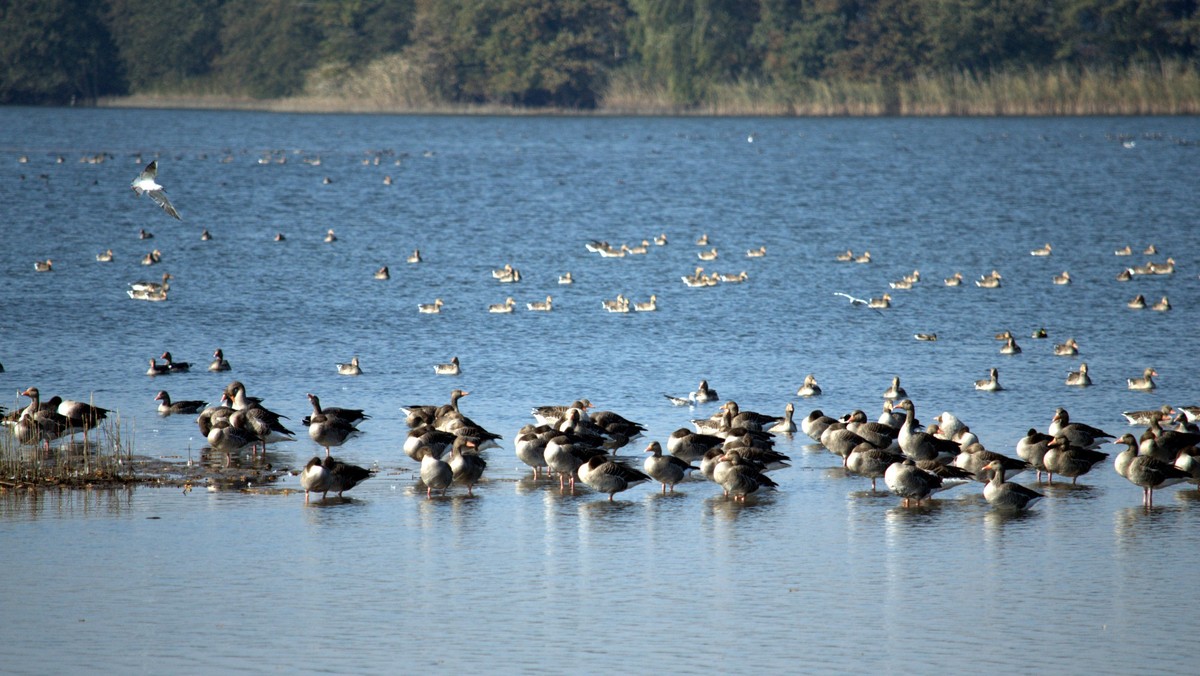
(820, 575)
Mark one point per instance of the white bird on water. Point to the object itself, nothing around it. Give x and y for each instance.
(145, 183)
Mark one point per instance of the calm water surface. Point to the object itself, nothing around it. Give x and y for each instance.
(821, 575)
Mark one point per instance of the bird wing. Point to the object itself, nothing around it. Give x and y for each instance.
(161, 197)
(853, 300)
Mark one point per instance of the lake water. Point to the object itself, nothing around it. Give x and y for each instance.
(821, 575)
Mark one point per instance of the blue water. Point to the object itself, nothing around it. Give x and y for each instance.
(821, 575)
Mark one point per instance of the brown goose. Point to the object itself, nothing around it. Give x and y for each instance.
(665, 469)
(465, 464)
(328, 430)
(1066, 459)
(219, 363)
(168, 407)
(175, 366)
(1145, 383)
(739, 478)
(1004, 495)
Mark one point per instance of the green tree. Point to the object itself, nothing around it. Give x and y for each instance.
(795, 39)
(55, 51)
(985, 35)
(165, 43)
(1113, 32)
(358, 31)
(267, 46)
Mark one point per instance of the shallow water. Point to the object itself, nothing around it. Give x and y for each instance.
(820, 574)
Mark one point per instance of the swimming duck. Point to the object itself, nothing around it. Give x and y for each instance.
(205, 236)
(1144, 383)
(1067, 349)
(810, 388)
(448, 369)
(350, 369)
(1039, 333)
(152, 258)
(1079, 378)
(991, 383)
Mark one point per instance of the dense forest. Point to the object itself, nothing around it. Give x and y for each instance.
(587, 54)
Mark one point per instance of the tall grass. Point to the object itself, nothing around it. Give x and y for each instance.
(103, 456)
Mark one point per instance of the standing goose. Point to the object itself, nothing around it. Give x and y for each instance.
(607, 475)
(912, 483)
(991, 383)
(691, 446)
(314, 478)
(37, 423)
(219, 363)
(343, 476)
(1004, 495)
(1147, 471)
(665, 469)
(328, 430)
(466, 465)
(435, 474)
(1079, 434)
(1066, 459)
(810, 388)
(1032, 449)
(530, 446)
(871, 462)
(452, 368)
(740, 478)
(923, 445)
(350, 369)
(1144, 383)
(167, 407)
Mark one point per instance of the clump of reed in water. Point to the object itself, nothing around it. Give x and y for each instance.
(103, 456)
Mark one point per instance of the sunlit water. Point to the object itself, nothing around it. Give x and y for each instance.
(821, 575)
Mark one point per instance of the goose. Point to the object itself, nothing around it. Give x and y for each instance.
(265, 425)
(738, 477)
(1063, 279)
(1010, 347)
(279, 237)
(350, 369)
(328, 430)
(144, 234)
(1167, 268)
(448, 369)
(430, 308)
(871, 462)
(930, 337)
(618, 304)
(1138, 302)
(756, 253)
(566, 278)
(785, 426)
(703, 393)
(1125, 251)
(955, 280)
(1004, 335)
(150, 287)
(913, 483)
(990, 281)
(1004, 495)
(710, 255)
(991, 383)
(890, 416)
(146, 183)
(895, 391)
(426, 436)
(224, 437)
(219, 363)
(1150, 250)
(1125, 275)
(551, 415)
(238, 397)
(1064, 458)
(1039, 333)
(214, 414)
(696, 279)
(414, 257)
(975, 459)
(809, 388)
(565, 454)
(1162, 305)
(1032, 449)
(691, 446)
(608, 475)
(1146, 416)
(1148, 471)
(314, 478)
(1079, 378)
(157, 369)
(382, 273)
(106, 257)
(815, 424)
(38, 423)
(530, 445)
(1121, 462)
(1068, 349)
(1169, 442)
(502, 308)
(638, 250)
(167, 407)
(436, 474)
(1044, 251)
(668, 470)
(948, 426)
(539, 306)
(466, 466)
(648, 306)
(702, 240)
(845, 256)
(923, 445)
(43, 266)
(661, 239)
(152, 258)
(840, 440)
(878, 434)
(175, 366)
(1145, 383)
(879, 303)
(864, 258)
(330, 236)
(1079, 434)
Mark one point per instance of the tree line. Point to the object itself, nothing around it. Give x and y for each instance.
(563, 53)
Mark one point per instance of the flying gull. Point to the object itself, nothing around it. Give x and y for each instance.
(145, 183)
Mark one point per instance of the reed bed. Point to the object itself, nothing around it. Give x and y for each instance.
(103, 456)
